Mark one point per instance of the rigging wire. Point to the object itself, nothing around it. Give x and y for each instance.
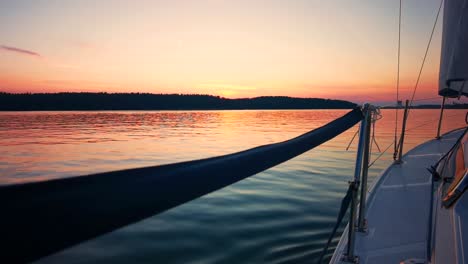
(376, 115)
(374, 138)
(352, 139)
(380, 155)
(398, 78)
(397, 146)
(421, 125)
(410, 129)
(425, 56)
(428, 123)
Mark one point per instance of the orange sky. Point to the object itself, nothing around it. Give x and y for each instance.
(330, 49)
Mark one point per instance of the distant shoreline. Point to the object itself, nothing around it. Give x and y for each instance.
(449, 106)
(146, 101)
(169, 102)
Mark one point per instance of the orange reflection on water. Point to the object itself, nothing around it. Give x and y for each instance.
(45, 145)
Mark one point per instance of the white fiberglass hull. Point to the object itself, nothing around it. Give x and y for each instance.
(399, 208)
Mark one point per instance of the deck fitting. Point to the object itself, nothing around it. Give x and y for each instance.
(345, 259)
(363, 229)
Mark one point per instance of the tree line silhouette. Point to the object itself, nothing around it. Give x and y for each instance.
(147, 101)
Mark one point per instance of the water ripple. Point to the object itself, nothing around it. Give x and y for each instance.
(282, 215)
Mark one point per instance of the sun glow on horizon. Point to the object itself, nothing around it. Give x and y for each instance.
(234, 49)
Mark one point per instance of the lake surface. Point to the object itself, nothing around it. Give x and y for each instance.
(282, 215)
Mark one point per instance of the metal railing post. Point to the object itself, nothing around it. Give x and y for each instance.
(362, 226)
(402, 137)
(350, 257)
(442, 107)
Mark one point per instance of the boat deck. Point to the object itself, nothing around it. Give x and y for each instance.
(399, 207)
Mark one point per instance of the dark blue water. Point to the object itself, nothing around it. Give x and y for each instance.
(282, 215)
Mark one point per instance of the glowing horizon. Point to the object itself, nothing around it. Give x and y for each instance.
(232, 49)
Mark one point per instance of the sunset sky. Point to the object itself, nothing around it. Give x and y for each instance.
(240, 48)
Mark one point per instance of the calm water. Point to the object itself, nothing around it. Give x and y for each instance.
(282, 215)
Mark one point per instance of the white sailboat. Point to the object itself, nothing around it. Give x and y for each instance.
(417, 209)
(411, 214)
